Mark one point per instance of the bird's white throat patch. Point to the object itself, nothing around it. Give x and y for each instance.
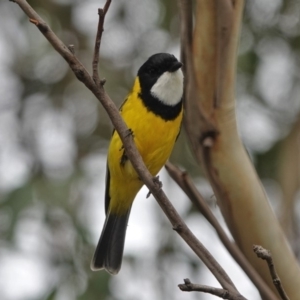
(169, 88)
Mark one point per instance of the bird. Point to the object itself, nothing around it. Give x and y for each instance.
(153, 112)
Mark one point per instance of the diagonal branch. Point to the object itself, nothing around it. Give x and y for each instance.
(185, 182)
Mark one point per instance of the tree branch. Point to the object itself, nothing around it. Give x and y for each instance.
(185, 182)
(101, 12)
(267, 256)
(131, 151)
(191, 287)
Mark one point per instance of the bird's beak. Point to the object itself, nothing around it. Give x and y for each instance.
(175, 66)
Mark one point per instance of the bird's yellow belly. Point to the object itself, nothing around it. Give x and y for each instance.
(156, 145)
(154, 138)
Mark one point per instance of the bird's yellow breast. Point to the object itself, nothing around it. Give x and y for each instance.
(154, 138)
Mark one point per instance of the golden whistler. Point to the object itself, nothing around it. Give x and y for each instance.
(153, 112)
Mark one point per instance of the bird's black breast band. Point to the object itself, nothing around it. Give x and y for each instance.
(166, 112)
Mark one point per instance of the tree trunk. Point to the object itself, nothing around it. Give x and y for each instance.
(210, 122)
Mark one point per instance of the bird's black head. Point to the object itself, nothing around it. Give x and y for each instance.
(155, 66)
(161, 82)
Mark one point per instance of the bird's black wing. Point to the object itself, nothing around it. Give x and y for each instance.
(107, 183)
(107, 179)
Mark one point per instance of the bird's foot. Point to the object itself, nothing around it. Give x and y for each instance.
(130, 132)
(157, 182)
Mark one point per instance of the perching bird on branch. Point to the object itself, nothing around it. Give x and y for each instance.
(153, 112)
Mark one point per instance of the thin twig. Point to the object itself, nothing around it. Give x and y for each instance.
(267, 256)
(131, 150)
(191, 287)
(185, 182)
(101, 12)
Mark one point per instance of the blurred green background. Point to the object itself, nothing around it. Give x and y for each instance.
(54, 135)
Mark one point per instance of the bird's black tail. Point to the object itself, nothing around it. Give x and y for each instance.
(109, 251)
